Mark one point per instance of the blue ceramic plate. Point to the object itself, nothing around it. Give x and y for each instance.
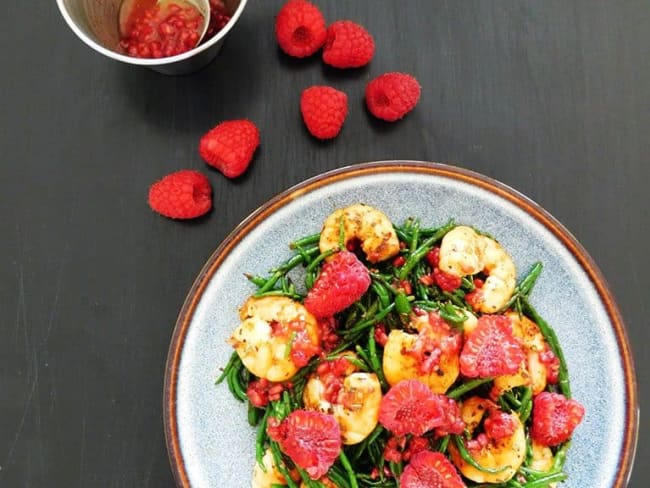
(209, 440)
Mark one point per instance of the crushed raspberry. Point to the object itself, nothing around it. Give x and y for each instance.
(393, 449)
(327, 331)
(475, 298)
(332, 374)
(410, 407)
(451, 421)
(491, 349)
(260, 392)
(555, 417)
(219, 17)
(427, 279)
(302, 348)
(311, 439)
(430, 470)
(433, 257)
(157, 32)
(416, 444)
(343, 280)
(405, 286)
(499, 425)
(446, 281)
(434, 339)
(380, 335)
(552, 363)
(400, 448)
(477, 444)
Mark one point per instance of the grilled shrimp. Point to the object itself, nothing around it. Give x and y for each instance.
(325, 481)
(276, 337)
(533, 372)
(371, 227)
(542, 459)
(465, 252)
(430, 356)
(265, 479)
(352, 397)
(505, 454)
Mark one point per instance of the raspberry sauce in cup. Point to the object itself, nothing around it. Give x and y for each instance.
(152, 29)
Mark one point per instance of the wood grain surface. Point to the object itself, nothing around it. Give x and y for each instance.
(551, 97)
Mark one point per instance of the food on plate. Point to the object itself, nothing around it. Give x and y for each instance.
(370, 359)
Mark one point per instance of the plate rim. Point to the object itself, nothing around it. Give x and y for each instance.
(531, 208)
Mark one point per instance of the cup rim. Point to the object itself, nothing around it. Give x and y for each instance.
(150, 61)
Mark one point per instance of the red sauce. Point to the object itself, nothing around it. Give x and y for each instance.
(157, 30)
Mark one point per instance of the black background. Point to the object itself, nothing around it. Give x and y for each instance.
(550, 97)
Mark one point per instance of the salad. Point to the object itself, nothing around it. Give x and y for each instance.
(381, 355)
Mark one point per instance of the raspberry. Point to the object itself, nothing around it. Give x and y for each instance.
(433, 257)
(555, 417)
(392, 95)
(229, 147)
(324, 110)
(446, 281)
(348, 45)
(410, 407)
(499, 425)
(343, 280)
(300, 28)
(185, 194)
(311, 439)
(430, 470)
(491, 349)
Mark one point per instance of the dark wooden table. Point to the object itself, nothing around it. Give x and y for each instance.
(552, 98)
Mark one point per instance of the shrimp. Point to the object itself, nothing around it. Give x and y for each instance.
(532, 372)
(266, 479)
(325, 481)
(465, 252)
(352, 397)
(371, 227)
(505, 454)
(276, 337)
(542, 459)
(430, 356)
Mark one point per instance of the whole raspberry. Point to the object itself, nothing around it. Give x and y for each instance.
(348, 45)
(343, 280)
(324, 110)
(311, 439)
(555, 417)
(300, 28)
(431, 470)
(229, 147)
(185, 194)
(392, 95)
(491, 349)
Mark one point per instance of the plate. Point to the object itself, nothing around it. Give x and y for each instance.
(209, 440)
